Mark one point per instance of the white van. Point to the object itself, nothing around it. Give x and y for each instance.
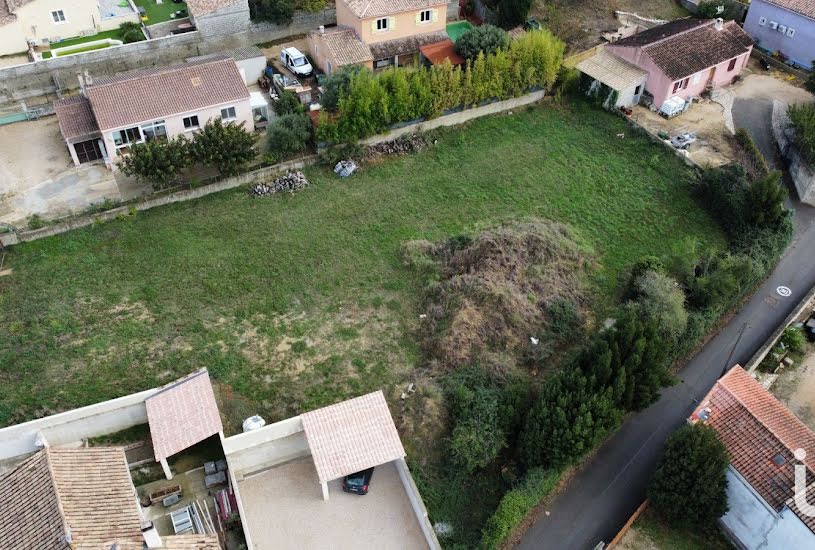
(296, 62)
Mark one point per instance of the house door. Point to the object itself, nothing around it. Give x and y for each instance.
(710, 76)
(88, 151)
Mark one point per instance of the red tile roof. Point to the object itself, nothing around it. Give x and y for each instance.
(344, 44)
(687, 46)
(757, 429)
(804, 7)
(352, 436)
(150, 94)
(75, 118)
(438, 52)
(182, 414)
(85, 492)
(376, 8)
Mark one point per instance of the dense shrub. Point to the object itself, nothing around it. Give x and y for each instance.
(688, 488)
(486, 39)
(723, 191)
(159, 162)
(288, 103)
(512, 12)
(793, 338)
(567, 420)
(755, 162)
(287, 135)
(359, 103)
(661, 301)
(131, 32)
(228, 146)
(486, 414)
(276, 11)
(564, 319)
(337, 84)
(802, 118)
(311, 5)
(765, 201)
(516, 504)
(709, 9)
(810, 81)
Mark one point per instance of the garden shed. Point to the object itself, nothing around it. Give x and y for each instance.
(607, 76)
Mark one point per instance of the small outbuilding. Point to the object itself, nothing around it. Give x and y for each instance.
(615, 80)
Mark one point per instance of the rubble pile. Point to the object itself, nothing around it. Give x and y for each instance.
(291, 182)
(399, 146)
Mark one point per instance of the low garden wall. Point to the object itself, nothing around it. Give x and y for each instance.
(255, 176)
(803, 175)
(458, 117)
(251, 452)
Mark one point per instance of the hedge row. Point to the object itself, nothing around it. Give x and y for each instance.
(516, 504)
(754, 156)
(372, 103)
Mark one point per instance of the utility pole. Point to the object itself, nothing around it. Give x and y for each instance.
(727, 365)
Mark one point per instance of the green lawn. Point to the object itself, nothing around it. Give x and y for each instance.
(653, 534)
(158, 13)
(297, 301)
(115, 34)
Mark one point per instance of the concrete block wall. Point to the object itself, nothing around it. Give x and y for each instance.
(224, 30)
(254, 451)
(417, 503)
(72, 426)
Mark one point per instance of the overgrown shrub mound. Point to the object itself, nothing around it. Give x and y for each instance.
(492, 297)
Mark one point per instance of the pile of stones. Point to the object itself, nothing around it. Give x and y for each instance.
(291, 182)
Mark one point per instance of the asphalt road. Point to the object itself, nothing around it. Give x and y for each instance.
(604, 494)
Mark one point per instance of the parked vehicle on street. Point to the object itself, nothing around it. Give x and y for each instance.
(296, 61)
(358, 483)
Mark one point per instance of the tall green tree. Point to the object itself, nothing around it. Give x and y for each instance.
(688, 488)
(158, 161)
(287, 135)
(486, 39)
(228, 146)
(765, 201)
(567, 420)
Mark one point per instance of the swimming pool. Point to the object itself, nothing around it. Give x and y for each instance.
(454, 30)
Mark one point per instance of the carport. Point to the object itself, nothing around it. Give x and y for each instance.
(351, 436)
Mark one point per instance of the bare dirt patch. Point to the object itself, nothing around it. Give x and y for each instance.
(795, 387)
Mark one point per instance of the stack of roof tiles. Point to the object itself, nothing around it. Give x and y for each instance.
(761, 437)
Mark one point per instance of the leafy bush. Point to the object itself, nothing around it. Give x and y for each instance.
(511, 12)
(793, 338)
(276, 11)
(661, 301)
(810, 81)
(802, 118)
(367, 103)
(724, 278)
(564, 319)
(287, 135)
(486, 39)
(756, 163)
(337, 84)
(131, 32)
(311, 5)
(158, 161)
(567, 420)
(723, 191)
(516, 505)
(709, 9)
(765, 201)
(688, 488)
(486, 414)
(228, 146)
(288, 103)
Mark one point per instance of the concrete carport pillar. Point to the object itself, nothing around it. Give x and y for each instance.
(166, 467)
(324, 485)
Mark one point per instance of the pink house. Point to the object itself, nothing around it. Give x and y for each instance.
(114, 113)
(687, 56)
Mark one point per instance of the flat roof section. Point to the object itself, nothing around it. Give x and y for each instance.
(284, 511)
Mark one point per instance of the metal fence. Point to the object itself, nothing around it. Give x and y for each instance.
(26, 113)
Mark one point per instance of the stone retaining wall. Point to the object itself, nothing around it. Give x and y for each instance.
(802, 174)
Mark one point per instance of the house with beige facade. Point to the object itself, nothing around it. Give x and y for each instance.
(379, 33)
(114, 113)
(41, 22)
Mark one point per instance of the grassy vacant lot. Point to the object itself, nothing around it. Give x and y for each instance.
(650, 533)
(297, 301)
(158, 13)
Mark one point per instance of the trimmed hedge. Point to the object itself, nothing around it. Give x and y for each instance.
(516, 504)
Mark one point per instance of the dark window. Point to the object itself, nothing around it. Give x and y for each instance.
(191, 122)
(425, 16)
(127, 136)
(88, 151)
(382, 24)
(732, 64)
(638, 90)
(382, 63)
(228, 113)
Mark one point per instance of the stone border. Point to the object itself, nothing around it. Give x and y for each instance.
(254, 176)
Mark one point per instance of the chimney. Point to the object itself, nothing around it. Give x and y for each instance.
(322, 29)
(151, 536)
(718, 23)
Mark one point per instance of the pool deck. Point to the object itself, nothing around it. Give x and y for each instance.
(111, 8)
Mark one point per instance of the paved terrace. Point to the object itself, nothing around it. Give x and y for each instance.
(284, 510)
